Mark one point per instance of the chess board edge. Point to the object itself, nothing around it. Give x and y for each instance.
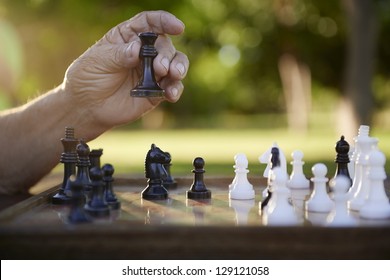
(136, 241)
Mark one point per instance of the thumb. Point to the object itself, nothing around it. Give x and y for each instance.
(114, 57)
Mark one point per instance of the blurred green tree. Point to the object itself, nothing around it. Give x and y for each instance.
(234, 47)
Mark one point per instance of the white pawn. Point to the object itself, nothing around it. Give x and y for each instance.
(319, 200)
(279, 211)
(241, 188)
(242, 209)
(297, 178)
(235, 177)
(339, 216)
(377, 205)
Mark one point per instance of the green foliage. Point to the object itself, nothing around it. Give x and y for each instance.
(234, 46)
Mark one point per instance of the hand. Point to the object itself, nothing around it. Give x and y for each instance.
(100, 80)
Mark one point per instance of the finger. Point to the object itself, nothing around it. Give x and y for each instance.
(179, 66)
(166, 52)
(173, 89)
(114, 57)
(159, 22)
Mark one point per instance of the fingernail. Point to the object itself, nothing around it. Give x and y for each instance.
(175, 92)
(180, 67)
(165, 63)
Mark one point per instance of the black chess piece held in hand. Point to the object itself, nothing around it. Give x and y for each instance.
(147, 85)
(198, 188)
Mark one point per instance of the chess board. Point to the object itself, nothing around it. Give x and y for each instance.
(181, 228)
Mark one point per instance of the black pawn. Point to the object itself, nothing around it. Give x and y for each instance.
(169, 182)
(77, 212)
(342, 159)
(83, 165)
(198, 188)
(147, 85)
(109, 195)
(274, 162)
(69, 159)
(94, 158)
(97, 205)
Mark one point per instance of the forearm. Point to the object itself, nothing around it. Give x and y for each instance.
(30, 138)
(97, 86)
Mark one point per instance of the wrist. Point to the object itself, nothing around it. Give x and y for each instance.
(78, 115)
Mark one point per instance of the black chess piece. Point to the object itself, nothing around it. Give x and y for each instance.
(156, 174)
(94, 158)
(83, 165)
(274, 162)
(77, 212)
(147, 85)
(169, 182)
(97, 205)
(69, 159)
(108, 179)
(342, 159)
(198, 188)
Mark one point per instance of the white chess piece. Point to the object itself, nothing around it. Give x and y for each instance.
(241, 188)
(339, 216)
(281, 188)
(297, 178)
(377, 205)
(235, 177)
(351, 163)
(279, 211)
(356, 171)
(363, 187)
(363, 135)
(265, 159)
(319, 200)
(242, 209)
(268, 157)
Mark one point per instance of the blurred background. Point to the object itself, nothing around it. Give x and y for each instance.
(297, 72)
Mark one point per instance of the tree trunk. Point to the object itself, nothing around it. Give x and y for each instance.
(357, 103)
(296, 81)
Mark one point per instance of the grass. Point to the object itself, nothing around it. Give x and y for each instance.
(126, 149)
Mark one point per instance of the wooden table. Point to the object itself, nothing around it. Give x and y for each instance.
(178, 228)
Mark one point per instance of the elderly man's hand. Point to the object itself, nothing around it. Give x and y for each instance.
(100, 80)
